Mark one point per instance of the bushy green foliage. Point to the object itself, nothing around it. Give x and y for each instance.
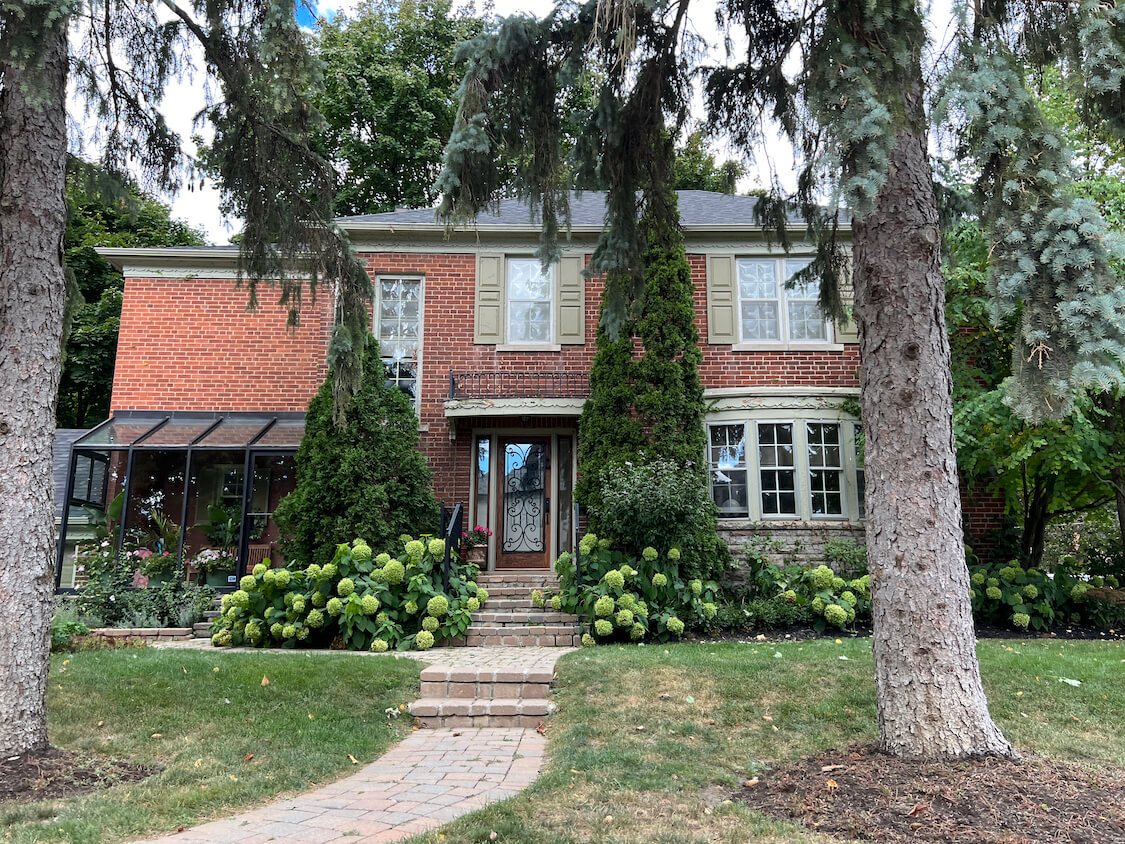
(109, 599)
(633, 597)
(1010, 595)
(1088, 543)
(64, 628)
(373, 604)
(846, 555)
(834, 601)
(365, 479)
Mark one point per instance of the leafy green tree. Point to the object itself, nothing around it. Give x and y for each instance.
(102, 212)
(117, 57)
(389, 99)
(366, 480)
(696, 169)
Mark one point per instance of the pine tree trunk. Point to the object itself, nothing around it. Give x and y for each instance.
(930, 700)
(32, 291)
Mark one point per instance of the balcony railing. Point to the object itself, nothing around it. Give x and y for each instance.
(518, 385)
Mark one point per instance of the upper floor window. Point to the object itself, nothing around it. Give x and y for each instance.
(398, 325)
(770, 313)
(529, 301)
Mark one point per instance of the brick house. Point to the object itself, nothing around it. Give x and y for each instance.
(496, 355)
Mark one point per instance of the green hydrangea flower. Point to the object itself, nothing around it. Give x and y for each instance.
(345, 587)
(835, 614)
(379, 646)
(818, 606)
(709, 610)
(275, 629)
(369, 604)
(281, 578)
(697, 587)
(224, 603)
(537, 597)
(232, 614)
(414, 550)
(381, 619)
(978, 578)
(674, 554)
(378, 575)
(383, 559)
(222, 639)
(822, 578)
(1097, 581)
(627, 571)
(315, 618)
(248, 583)
(659, 580)
(587, 544)
(289, 631)
(604, 544)
(361, 552)
(972, 594)
(471, 586)
(269, 576)
(1021, 620)
(641, 609)
(436, 548)
(603, 627)
(613, 579)
(637, 632)
(239, 626)
(329, 571)
(1030, 592)
(603, 607)
(299, 604)
(403, 538)
(472, 605)
(993, 593)
(410, 607)
(838, 583)
(319, 599)
(240, 598)
(790, 595)
(649, 554)
(430, 623)
(849, 597)
(851, 616)
(482, 595)
(556, 603)
(588, 640)
(394, 571)
(675, 626)
(313, 571)
(260, 569)
(437, 606)
(624, 618)
(992, 581)
(1111, 581)
(303, 633)
(424, 640)
(1077, 592)
(862, 586)
(335, 606)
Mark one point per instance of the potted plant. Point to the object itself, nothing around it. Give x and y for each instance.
(476, 540)
(213, 565)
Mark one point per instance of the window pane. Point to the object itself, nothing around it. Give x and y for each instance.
(727, 470)
(526, 280)
(480, 487)
(529, 322)
(757, 279)
(806, 321)
(760, 321)
(775, 449)
(566, 495)
(807, 290)
(825, 469)
(399, 326)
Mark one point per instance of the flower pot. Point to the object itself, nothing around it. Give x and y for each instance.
(219, 579)
(477, 555)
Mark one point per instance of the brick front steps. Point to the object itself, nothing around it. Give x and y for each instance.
(202, 629)
(510, 618)
(483, 696)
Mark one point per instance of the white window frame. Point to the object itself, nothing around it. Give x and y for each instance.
(843, 471)
(751, 485)
(798, 448)
(376, 323)
(534, 345)
(783, 299)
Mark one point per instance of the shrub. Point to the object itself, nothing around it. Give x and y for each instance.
(109, 599)
(64, 628)
(366, 478)
(1026, 599)
(834, 601)
(364, 610)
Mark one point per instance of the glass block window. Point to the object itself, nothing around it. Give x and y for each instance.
(776, 469)
(770, 313)
(727, 457)
(826, 469)
(806, 319)
(398, 326)
(529, 302)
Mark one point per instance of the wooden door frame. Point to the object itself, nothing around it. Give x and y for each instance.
(526, 560)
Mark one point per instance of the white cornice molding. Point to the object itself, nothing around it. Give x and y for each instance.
(462, 408)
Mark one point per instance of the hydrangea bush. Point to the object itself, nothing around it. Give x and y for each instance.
(630, 598)
(1029, 599)
(359, 601)
(834, 601)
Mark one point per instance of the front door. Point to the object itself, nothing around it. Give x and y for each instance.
(525, 503)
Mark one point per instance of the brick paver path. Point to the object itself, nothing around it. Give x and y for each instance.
(430, 778)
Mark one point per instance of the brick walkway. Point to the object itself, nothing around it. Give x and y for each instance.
(432, 777)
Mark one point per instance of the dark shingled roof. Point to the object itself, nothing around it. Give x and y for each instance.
(697, 208)
(60, 462)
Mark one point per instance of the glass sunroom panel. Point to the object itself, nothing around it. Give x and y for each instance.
(284, 433)
(120, 432)
(178, 432)
(236, 432)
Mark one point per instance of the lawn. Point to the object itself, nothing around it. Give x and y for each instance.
(198, 717)
(648, 742)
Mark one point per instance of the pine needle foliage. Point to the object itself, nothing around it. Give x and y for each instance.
(367, 479)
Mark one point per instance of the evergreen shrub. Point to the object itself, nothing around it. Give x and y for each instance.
(370, 602)
(364, 478)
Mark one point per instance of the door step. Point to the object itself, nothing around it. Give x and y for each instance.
(483, 697)
(522, 635)
(520, 617)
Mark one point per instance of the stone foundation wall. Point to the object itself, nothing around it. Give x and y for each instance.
(787, 543)
(149, 634)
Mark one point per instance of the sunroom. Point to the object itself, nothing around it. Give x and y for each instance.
(178, 494)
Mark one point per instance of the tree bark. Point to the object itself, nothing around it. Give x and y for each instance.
(930, 700)
(32, 292)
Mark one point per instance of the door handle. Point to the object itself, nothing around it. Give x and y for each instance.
(547, 509)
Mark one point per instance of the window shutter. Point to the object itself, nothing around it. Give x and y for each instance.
(488, 318)
(722, 300)
(847, 333)
(570, 317)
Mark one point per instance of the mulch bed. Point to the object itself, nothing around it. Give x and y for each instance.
(53, 773)
(861, 793)
(804, 634)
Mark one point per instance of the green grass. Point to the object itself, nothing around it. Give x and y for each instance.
(197, 716)
(749, 709)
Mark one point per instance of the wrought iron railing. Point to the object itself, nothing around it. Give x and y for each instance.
(452, 528)
(518, 385)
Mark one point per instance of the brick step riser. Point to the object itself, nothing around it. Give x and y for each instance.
(523, 640)
(529, 583)
(435, 722)
(507, 591)
(520, 604)
(475, 690)
(523, 617)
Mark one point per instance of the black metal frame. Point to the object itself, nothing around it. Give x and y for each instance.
(451, 531)
(515, 385)
(159, 420)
